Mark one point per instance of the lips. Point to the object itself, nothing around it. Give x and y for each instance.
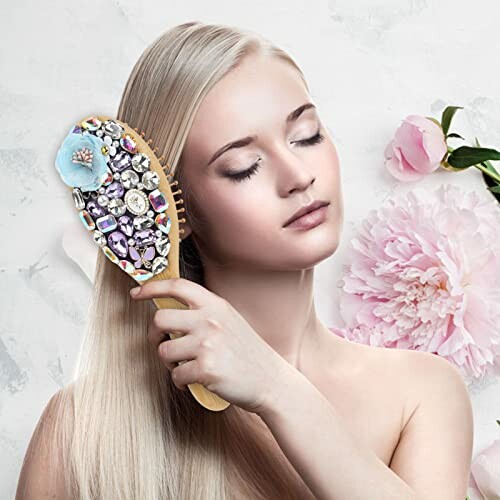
(305, 210)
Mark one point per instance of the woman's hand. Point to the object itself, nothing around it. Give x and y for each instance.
(224, 352)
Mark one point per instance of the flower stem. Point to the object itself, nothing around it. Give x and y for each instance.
(488, 172)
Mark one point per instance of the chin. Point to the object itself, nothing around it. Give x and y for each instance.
(299, 257)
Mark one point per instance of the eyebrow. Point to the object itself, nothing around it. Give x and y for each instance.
(245, 141)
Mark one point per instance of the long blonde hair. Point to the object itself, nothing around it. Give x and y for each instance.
(127, 432)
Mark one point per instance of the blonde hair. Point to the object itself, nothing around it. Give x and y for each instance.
(127, 432)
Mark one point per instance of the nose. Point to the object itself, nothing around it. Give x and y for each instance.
(302, 184)
(294, 174)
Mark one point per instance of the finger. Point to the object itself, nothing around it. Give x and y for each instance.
(192, 294)
(171, 320)
(185, 373)
(181, 349)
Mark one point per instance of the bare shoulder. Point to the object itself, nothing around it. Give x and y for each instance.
(41, 475)
(437, 432)
(430, 379)
(423, 377)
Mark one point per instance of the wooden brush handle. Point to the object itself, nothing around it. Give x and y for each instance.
(206, 398)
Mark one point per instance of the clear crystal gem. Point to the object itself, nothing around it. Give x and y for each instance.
(117, 206)
(129, 178)
(103, 200)
(162, 245)
(78, 199)
(151, 180)
(143, 222)
(113, 129)
(159, 264)
(140, 162)
(99, 238)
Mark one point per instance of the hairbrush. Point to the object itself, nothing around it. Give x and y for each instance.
(124, 199)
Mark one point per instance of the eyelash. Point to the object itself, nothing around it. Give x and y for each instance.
(246, 174)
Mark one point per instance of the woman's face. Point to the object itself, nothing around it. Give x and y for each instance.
(245, 206)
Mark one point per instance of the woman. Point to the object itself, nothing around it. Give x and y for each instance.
(313, 415)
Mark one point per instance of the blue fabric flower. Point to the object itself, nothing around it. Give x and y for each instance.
(80, 161)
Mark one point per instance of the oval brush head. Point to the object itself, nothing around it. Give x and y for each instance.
(124, 198)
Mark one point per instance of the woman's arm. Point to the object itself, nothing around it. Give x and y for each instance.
(334, 465)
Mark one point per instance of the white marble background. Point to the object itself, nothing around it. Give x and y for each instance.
(368, 63)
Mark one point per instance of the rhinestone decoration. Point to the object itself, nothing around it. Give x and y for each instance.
(78, 199)
(158, 200)
(126, 215)
(141, 163)
(87, 220)
(162, 221)
(137, 201)
(150, 180)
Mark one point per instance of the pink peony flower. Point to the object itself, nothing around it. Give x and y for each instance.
(485, 472)
(417, 149)
(424, 274)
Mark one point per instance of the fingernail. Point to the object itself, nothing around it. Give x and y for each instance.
(135, 291)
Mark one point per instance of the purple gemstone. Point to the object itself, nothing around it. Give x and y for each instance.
(126, 225)
(118, 243)
(145, 237)
(115, 190)
(121, 161)
(95, 209)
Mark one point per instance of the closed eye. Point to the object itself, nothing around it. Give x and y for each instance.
(246, 174)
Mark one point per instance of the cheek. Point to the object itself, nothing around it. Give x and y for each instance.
(242, 218)
(329, 166)
(245, 209)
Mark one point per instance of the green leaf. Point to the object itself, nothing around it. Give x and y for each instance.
(447, 116)
(466, 156)
(487, 164)
(498, 422)
(493, 186)
(455, 135)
